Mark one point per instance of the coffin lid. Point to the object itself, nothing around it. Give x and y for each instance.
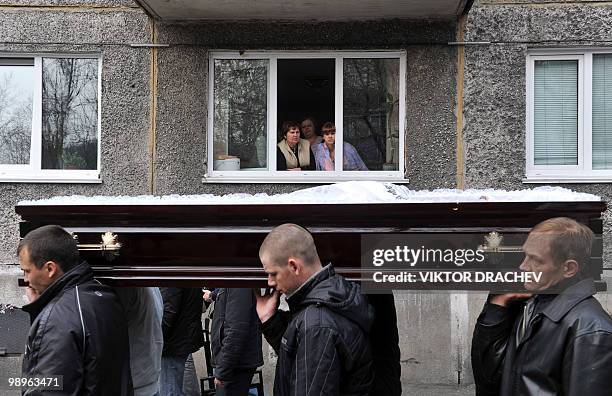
(214, 240)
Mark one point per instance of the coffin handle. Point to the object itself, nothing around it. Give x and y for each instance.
(110, 244)
(493, 244)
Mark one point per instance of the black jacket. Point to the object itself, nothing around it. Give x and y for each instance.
(322, 343)
(91, 354)
(384, 342)
(182, 321)
(235, 333)
(566, 349)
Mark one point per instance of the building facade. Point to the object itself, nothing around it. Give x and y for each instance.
(115, 97)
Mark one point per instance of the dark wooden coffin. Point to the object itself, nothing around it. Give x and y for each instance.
(217, 245)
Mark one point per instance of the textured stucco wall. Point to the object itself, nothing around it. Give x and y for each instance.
(495, 77)
(182, 68)
(544, 3)
(124, 98)
(430, 139)
(70, 3)
(435, 329)
(183, 80)
(182, 110)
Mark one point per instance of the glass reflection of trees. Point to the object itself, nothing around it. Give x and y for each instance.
(240, 110)
(15, 114)
(371, 110)
(70, 113)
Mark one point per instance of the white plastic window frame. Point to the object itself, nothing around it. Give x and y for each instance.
(275, 176)
(583, 172)
(33, 172)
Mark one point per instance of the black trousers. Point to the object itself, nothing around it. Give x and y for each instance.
(239, 384)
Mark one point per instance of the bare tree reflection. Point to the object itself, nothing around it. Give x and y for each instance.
(70, 113)
(371, 100)
(240, 113)
(15, 118)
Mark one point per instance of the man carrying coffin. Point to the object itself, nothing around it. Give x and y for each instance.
(554, 340)
(322, 342)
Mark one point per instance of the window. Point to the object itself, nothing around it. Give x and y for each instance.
(569, 116)
(361, 96)
(49, 118)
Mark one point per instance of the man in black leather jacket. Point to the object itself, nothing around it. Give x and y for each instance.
(556, 340)
(322, 342)
(235, 341)
(79, 330)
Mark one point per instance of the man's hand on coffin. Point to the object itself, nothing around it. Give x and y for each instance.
(267, 304)
(504, 299)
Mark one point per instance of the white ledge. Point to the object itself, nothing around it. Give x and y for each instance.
(58, 180)
(297, 180)
(355, 192)
(566, 180)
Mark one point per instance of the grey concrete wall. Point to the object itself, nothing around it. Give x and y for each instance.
(70, 3)
(124, 98)
(81, 28)
(183, 80)
(435, 329)
(494, 97)
(495, 77)
(430, 160)
(180, 154)
(545, 3)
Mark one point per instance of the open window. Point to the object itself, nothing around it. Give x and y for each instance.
(360, 96)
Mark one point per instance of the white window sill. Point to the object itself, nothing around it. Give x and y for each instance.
(50, 179)
(566, 179)
(296, 179)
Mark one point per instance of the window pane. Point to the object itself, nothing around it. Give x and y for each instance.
(16, 96)
(602, 111)
(371, 114)
(70, 113)
(240, 114)
(556, 112)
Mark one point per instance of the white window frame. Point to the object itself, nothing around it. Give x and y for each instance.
(275, 176)
(583, 172)
(33, 172)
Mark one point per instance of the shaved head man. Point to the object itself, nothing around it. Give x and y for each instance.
(322, 342)
(289, 257)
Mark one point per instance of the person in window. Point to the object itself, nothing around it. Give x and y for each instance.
(309, 131)
(325, 152)
(292, 152)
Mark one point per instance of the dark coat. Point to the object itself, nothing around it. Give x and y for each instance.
(235, 333)
(91, 354)
(384, 342)
(322, 343)
(566, 350)
(182, 321)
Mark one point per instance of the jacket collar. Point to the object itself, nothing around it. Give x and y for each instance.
(296, 298)
(75, 276)
(569, 298)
